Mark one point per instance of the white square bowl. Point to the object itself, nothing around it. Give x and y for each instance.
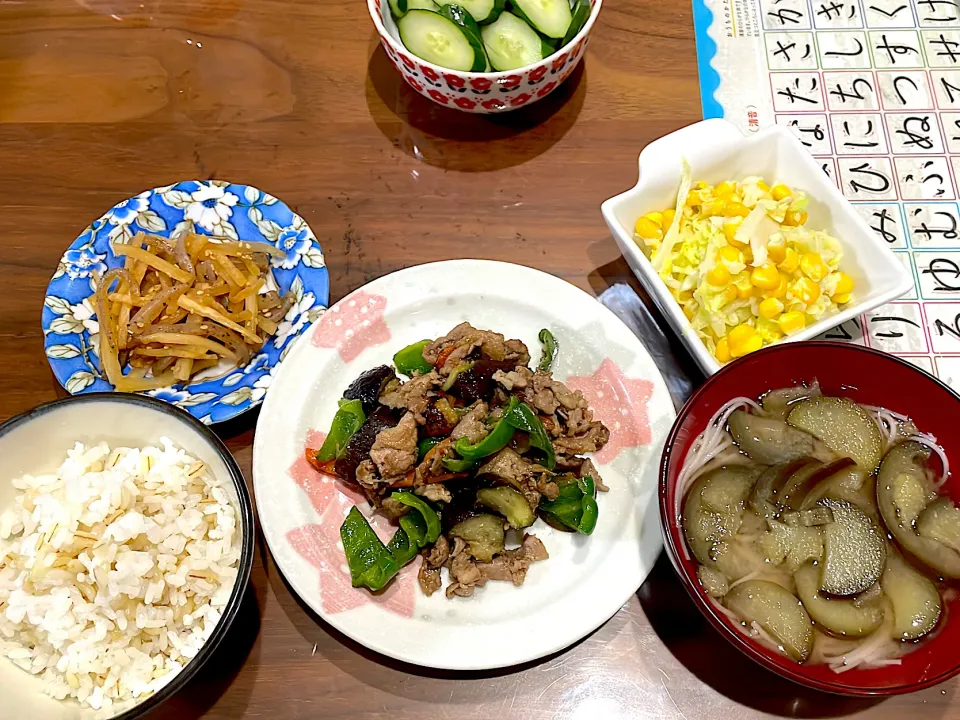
(717, 151)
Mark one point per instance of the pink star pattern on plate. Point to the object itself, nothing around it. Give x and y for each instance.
(621, 403)
(318, 544)
(320, 488)
(353, 325)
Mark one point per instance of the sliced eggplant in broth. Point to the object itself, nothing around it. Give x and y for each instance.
(915, 599)
(940, 521)
(902, 484)
(770, 441)
(703, 527)
(854, 550)
(841, 617)
(843, 426)
(777, 611)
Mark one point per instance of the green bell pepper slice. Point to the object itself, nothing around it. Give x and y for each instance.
(346, 422)
(575, 506)
(523, 418)
(458, 465)
(425, 446)
(494, 442)
(372, 564)
(409, 361)
(549, 350)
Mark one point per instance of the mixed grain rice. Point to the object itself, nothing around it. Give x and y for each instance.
(114, 571)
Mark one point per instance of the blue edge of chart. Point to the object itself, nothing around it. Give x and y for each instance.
(706, 51)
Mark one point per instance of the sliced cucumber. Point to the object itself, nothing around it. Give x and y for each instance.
(549, 17)
(483, 11)
(438, 39)
(401, 7)
(581, 13)
(511, 43)
(464, 20)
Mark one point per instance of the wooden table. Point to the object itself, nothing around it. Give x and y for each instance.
(100, 99)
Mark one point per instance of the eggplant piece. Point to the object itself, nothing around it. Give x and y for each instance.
(713, 581)
(735, 559)
(763, 499)
(845, 484)
(770, 441)
(775, 610)
(369, 385)
(803, 482)
(483, 535)
(727, 492)
(940, 521)
(854, 550)
(476, 382)
(902, 483)
(509, 503)
(916, 601)
(440, 418)
(791, 546)
(841, 617)
(702, 527)
(814, 517)
(778, 403)
(358, 447)
(843, 426)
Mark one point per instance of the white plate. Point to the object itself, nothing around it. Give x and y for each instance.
(585, 580)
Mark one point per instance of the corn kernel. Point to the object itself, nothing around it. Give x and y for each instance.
(731, 294)
(693, 198)
(745, 292)
(743, 339)
(844, 285)
(740, 334)
(668, 216)
(842, 298)
(718, 275)
(811, 265)
(806, 290)
(780, 291)
(776, 253)
(765, 277)
(763, 186)
(656, 217)
(700, 185)
(795, 218)
(780, 191)
(751, 345)
(647, 229)
(722, 352)
(714, 207)
(791, 261)
(791, 322)
(730, 254)
(747, 255)
(770, 308)
(735, 209)
(725, 189)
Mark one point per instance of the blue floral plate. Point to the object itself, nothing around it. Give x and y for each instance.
(216, 208)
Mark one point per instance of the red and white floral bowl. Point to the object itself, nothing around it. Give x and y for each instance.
(482, 93)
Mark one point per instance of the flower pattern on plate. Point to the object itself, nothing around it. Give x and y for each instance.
(224, 211)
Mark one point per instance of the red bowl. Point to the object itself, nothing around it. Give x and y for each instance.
(866, 376)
